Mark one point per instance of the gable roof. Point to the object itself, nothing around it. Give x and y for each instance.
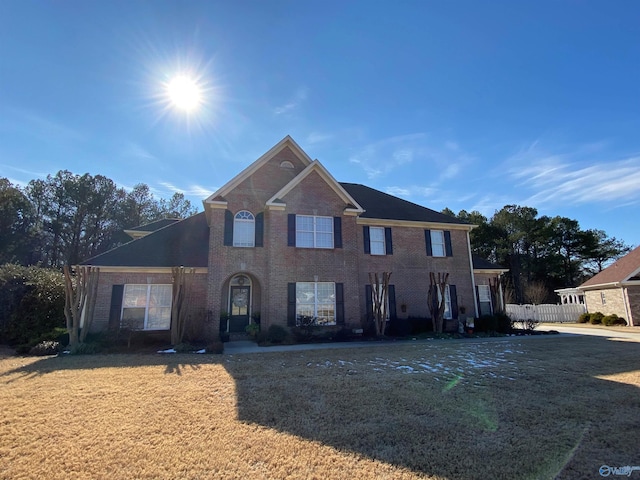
(480, 263)
(380, 205)
(621, 270)
(185, 242)
(247, 172)
(317, 167)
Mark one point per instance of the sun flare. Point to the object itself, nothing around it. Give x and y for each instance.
(184, 93)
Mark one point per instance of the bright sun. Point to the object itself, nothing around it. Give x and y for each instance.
(184, 93)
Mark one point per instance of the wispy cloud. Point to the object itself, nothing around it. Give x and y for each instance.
(572, 179)
(134, 150)
(40, 126)
(299, 96)
(444, 161)
(317, 137)
(189, 191)
(412, 191)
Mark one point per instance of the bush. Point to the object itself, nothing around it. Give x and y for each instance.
(277, 334)
(505, 324)
(613, 319)
(31, 303)
(596, 318)
(486, 323)
(215, 347)
(48, 347)
(584, 318)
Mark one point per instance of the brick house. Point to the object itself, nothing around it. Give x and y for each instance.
(284, 239)
(616, 289)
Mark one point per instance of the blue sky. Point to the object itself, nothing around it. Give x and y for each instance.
(460, 104)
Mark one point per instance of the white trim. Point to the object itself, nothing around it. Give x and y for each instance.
(317, 167)
(492, 271)
(251, 169)
(413, 224)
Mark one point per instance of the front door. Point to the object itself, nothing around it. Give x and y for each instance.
(239, 308)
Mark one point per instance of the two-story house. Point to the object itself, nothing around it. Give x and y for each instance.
(285, 239)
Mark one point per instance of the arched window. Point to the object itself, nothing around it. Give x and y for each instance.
(244, 229)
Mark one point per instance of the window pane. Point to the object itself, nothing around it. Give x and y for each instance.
(132, 318)
(159, 318)
(324, 224)
(437, 243)
(160, 296)
(304, 239)
(304, 223)
(244, 229)
(135, 296)
(376, 237)
(324, 240)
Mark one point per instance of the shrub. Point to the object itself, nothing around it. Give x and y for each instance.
(48, 347)
(596, 318)
(486, 323)
(277, 334)
(613, 319)
(31, 303)
(215, 347)
(584, 318)
(505, 324)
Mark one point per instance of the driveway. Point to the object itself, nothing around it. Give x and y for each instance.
(629, 333)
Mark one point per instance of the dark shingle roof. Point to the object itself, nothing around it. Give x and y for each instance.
(153, 226)
(185, 242)
(384, 206)
(480, 263)
(619, 271)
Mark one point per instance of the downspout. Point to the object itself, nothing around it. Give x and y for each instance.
(473, 278)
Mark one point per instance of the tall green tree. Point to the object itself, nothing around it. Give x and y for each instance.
(16, 224)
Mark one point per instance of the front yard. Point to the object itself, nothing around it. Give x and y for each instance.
(545, 407)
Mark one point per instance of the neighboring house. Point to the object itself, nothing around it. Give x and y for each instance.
(616, 289)
(284, 239)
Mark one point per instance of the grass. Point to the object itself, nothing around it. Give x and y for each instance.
(540, 407)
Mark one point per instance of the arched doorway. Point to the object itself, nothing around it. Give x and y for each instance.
(239, 303)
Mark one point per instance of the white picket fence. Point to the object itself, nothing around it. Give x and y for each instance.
(567, 313)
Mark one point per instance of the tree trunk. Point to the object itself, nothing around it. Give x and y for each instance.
(380, 292)
(78, 300)
(436, 296)
(182, 281)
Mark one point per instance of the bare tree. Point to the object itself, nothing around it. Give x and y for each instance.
(80, 301)
(380, 291)
(535, 292)
(436, 299)
(182, 282)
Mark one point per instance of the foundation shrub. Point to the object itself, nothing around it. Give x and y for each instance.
(216, 347)
(584, 318)
(596, 318)
(47, 347)
(613, 319)
(276, 334)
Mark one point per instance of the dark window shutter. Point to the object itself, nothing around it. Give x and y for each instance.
(367, 239)
(339, 304)
(427, 239)
(392, 302)
(291, 304)
(447, 243)
(259, 229)
(368, 301)
(337, 232)
(387, 241)
(117, 292)
(291, 230)
(454, 301)
(228, 228)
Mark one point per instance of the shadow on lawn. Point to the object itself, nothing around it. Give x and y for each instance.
(556, 420)
(174, 364)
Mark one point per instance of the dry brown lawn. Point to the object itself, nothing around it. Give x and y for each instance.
(552, 407)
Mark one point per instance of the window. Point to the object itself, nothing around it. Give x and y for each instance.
(377, 240)
(316, 300)
(437, 243)
(146, 307)
(244, 229)
(484, 298)
(314, 232)
(603, 298)
(447, 302)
